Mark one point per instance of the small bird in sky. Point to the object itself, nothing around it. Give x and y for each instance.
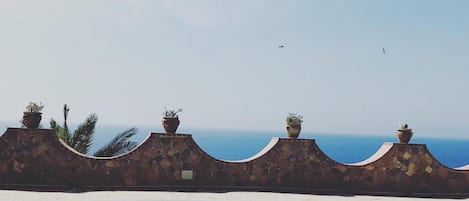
(384, 51)
(281, 46)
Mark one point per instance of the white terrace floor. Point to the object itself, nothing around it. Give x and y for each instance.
(7, 195)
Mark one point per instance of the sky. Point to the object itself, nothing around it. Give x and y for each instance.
(220, 61)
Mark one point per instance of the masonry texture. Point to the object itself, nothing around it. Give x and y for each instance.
(36, 157)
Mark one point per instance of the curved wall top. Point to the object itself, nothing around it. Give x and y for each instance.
(376, 156)
(266, 149)
(38, 157)
(466, 167)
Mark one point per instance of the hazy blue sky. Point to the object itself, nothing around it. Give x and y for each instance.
(219, 61)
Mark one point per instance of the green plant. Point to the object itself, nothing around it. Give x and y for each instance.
(119, 144)
(404, 127)
(34, 107)
(171, 113)
(294, 119)
(82, 138)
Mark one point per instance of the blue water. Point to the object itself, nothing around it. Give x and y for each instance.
(344, 148)
(235, 145)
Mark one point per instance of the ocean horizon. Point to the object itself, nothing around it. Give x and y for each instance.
(229, 144)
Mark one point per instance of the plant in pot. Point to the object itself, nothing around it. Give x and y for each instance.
(294, 121)
(170, 120)
(32, 115)
(404, 133)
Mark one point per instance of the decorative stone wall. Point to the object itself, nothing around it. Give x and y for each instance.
(36, 157)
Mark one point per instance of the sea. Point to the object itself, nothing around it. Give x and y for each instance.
(231, 144)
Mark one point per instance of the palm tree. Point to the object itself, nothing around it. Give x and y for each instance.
(82, 138)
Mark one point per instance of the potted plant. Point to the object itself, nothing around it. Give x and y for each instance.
(404, 133)
(294, 121)
(170, 120)
(32, 115)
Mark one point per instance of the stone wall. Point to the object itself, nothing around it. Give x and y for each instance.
(36, 157)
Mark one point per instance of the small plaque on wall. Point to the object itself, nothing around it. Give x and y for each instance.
(186, 175)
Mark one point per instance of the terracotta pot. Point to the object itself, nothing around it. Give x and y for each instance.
(31, 119)
(293, 131)
(404, 135)
(170, 124)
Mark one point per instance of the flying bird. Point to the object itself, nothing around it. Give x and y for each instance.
(384, 51)
(281, 46)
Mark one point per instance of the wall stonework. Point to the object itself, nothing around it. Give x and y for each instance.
(36, 157)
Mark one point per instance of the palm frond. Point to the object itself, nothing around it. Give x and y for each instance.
(62, 131)
(119, 144)
(53, 124)
(83, 135)
(65, 126)
(59, 130)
